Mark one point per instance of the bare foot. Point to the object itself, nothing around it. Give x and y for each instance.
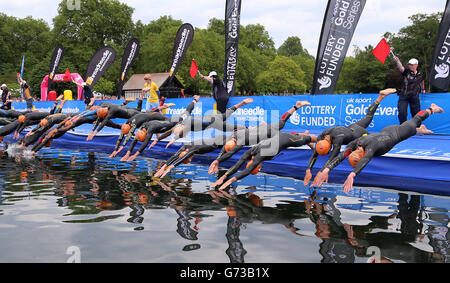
(424, 131)
(248, 100)
(301, 104)
(196, 98)
(386, 92)
(436, 109)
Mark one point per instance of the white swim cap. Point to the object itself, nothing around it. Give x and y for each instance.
(212, 74)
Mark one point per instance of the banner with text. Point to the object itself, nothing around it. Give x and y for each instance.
(440, 65)
(341, 19)
(232, 31)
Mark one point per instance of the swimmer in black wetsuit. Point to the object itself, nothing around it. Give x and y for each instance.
(217, 121)
(362, 150)
(146, 132)
(86, 117)
(338, 136)
(129, 127)
(220, 93)
(111, 111)
(265, 150)
(187, 152)
(252, 136)
(34, 118)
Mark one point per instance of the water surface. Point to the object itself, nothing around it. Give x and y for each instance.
(115, 212)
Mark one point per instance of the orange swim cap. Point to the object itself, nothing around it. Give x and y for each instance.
(230, 145)
(187, 161)
(355, 157)
(141, 135)
(22, 118)
(44, 122)
(102, 112)
(257, 169)
(126, 128)
(323, 147)
(49, 143)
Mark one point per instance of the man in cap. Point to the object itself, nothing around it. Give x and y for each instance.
(220, 93)
(5, 98)
(412, 85)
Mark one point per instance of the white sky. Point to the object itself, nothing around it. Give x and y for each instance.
(282, 18)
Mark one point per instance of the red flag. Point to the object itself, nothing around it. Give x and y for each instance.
(382, 51)
(194, 69)
(67, 76)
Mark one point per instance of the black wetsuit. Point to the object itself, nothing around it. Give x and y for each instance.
(6, 105)
(344, 135)
(266, 150)
(136, 122)
(381, 143)
(194, 148)
(37, 132)
(62, 129)
(160, 126)
(115, 111)
(88, 95)
(248, 137)
(4, 122)
(220, 94)
(34, 118)
(12, 113)
(217, 122)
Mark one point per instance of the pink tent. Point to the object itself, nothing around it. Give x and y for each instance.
(61, 78)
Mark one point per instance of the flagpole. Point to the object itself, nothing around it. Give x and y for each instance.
(21, 75)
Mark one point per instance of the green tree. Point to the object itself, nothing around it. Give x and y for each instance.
(282, 74)
(291, 47)
(417, 40)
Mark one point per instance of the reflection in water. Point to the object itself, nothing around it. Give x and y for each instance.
(95, 190)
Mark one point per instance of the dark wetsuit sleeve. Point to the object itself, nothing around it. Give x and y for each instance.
(104, 122)
(139, 105)
(188, 155)
(245, 157)
(113, 125)
(341, 157)
(55, 107)
(175, 156)
(145, 143)
(224, 156)
(313, 160)
(119, 141)
(364, 161)
(337, 144)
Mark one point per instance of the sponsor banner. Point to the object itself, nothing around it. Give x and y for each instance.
(98, 65)
(440, 65)
(232, 30)
(341, 19)
(183, 40)
(129, 55)
(324, 112)
(54, 63)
